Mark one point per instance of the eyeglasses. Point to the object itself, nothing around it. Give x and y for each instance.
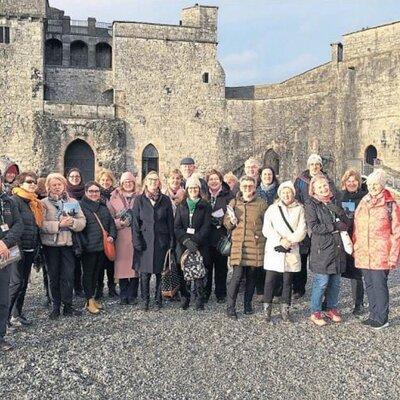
(193, 188)
(74, 176)
(247, 186)
(93, 191)
(129, 182)
(30, 182)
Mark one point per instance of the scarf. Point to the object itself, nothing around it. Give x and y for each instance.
(76, 191)
(106, 193)
(153, 196)
(192, 204)
(34, 204)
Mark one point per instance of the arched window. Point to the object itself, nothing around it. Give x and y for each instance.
(103, 55)
(79, 54)
(271, 159)
(80, 155)
(370, 154)
(53, 52)
(149, 160)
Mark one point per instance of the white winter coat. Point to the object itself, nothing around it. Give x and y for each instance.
(274, 229)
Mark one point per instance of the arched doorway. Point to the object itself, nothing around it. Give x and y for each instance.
(80, 155)
(149, 160)
(271, 159)
(103, 55)
(370, 155)
(79, 54)
(53, 52)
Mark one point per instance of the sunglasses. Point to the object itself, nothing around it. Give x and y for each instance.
(30, 182)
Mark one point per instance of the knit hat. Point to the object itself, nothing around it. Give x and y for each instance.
(193, 181)
(127, 176)
(12, 169)
(378, 176)
(314, 159)
(284, 185)
(187, 161)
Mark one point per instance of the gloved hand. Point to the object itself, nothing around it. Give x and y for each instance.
(340, 226)
(281, 249)
(190, 244)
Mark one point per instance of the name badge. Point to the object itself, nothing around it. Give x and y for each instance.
(190, 231)
(4, 228)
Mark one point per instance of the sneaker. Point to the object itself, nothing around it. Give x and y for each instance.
(22, 319)
(377, 325)
(318, 319)
(333, 315)
(15, 322)
(54, 314)
(70, 311)
(5, 346)
(11, 327)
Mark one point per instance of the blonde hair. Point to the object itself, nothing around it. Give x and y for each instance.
(230, 176)
(144, 183)
(55, 176)
(348, 174)
(316, 178)
(107, 173)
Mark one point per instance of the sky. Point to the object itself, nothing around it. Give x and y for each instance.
(260, 41)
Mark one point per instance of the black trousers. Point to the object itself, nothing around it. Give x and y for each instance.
(219, 268)
(77, 274)
(92, 263)
(357, 290)
(271, 278)
(46, 281)
(233, 288)
(300, 278)
(145, 287)
(108, 268)
(4, 298)
(378, 294)
(260, 279)
(60, 263)
(19, 278)
(128, 288)
(200, 290)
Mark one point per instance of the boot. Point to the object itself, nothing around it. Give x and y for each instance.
(185, 303)
(268, 310)
(91, 306)
(285, 313)
(97, 304)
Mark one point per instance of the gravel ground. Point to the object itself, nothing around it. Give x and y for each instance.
(173, 354)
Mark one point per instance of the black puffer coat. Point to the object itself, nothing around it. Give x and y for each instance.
(327, 255)
(217, 227)
(201, 223)
(152, 233)
(92, 234)
(30, 235)
(10, 215)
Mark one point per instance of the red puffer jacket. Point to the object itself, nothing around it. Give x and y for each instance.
(376, 233)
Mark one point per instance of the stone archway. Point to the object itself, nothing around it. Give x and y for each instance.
(370, 154)
(149, 160)
(80, 155)
(271, 159)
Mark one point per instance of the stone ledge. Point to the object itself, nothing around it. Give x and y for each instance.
(68, 110)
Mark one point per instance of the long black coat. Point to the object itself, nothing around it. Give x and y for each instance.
(327, 255)
(152, 233)
(92, 234)
(10, 215)
(217, 227)
(201, 223)
(30, 235)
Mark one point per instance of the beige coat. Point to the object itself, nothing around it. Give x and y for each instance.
(248, 241)
(50, 232)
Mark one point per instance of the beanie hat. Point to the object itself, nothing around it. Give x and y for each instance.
(378, 176)
(127, 176)
(193, 181)
(314, 159)
(187, 161)
(12, 169)
(284, 185)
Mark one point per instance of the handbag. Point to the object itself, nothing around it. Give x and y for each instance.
(347, 243)
(224, 245)
(15, 256)
(192, 265)
(170, 280)
(109, 248)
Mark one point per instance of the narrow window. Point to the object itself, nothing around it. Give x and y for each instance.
(4, 34)
(205, 77)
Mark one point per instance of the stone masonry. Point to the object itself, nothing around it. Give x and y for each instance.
(125, 87)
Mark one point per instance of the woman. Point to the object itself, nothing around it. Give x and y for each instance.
(192, 228)
(350, 196)
(93, 258)
(31, 211)
(153, 235)
(76, 190)
(219, 196)
(244, 218)
(377, 245)
(325, 219)
(106, 179)
(62, 216)
(174, 188)
(232, 181)
(121, 205)
(284, 228)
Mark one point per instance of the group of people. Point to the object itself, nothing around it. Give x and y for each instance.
(276, 232)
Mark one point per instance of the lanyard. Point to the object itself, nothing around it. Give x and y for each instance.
(190, 219)
(1, 211)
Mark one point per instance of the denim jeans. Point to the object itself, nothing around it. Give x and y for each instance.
(328, 285)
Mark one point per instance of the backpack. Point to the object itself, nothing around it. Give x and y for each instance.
(192, 265)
